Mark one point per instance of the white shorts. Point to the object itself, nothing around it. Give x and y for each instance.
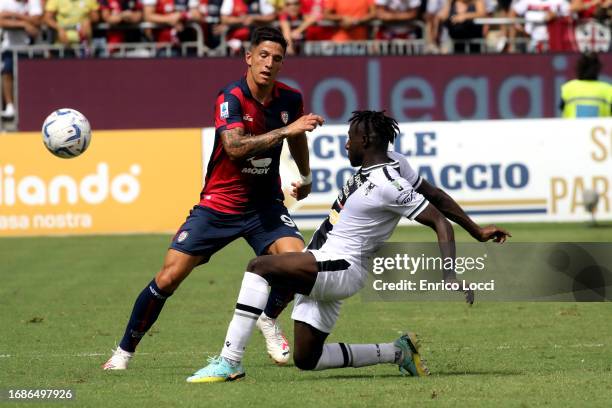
(339, 277)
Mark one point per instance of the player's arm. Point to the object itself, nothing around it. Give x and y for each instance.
(432, 218)
(399, 197)
(238, 146)
(298, 146)
(451, 210)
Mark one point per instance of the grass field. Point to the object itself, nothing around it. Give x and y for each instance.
(64, 303)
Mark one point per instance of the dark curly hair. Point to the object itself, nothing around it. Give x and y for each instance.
(381, 128)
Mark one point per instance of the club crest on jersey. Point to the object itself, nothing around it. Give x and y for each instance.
(405, 197)
(224, 108)
(285, 117)
(182, 236)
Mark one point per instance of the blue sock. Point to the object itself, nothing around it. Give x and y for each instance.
(277, 301)
(145, 312)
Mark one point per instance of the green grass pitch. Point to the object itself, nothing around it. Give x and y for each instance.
(64, 303)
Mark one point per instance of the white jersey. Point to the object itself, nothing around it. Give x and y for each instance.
(18, 36)
(369, 207)
(535, 12)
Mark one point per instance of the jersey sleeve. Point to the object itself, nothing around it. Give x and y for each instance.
(266, 7)
(228, 112)
(406, 171)
(227, 8)
(400, 197)
(520, 7)
(35, 8)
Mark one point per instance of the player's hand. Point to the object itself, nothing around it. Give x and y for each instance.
(300, 191)
(306, 123)
(468, 293)
(495, 233)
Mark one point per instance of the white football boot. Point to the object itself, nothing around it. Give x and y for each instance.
(119, 360)
(276, 342)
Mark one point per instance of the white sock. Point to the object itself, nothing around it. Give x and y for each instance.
(251, 302)
(337, 355)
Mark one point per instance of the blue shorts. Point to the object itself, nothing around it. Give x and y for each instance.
(206, 231)
(7, 62)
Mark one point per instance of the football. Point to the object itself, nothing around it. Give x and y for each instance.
(66, 133)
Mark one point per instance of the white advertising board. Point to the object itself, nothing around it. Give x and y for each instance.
(500, 170)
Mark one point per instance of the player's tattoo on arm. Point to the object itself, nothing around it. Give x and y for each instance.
(238, 146)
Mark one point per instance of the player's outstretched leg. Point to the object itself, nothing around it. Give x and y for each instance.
(310, 352)
(149, 304)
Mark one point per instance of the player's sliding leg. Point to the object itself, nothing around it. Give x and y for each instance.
(276, 342)
(296, 271)
(149, 304)
(311, 352)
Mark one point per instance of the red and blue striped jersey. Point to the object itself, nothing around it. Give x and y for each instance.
(240, 186)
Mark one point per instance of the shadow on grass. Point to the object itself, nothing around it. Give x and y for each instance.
(396, 375)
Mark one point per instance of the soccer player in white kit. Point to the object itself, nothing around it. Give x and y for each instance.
(368, 208)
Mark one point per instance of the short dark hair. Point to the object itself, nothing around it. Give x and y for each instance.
(588, 66)
(261, 34)
(376, 124)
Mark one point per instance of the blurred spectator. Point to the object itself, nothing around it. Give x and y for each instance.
(396, 16)
(71, 20)
(294, 23)
(19, 21)
(213, 30)
(352, 16)
(117, 12)
(585, 96)
(459, 16)
(432, 24)
(173, 14)
(503, 11)
(240, 15)
(315, 9)
(597, 9)
(538, 15)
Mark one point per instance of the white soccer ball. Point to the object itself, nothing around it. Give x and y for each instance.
(66, 133)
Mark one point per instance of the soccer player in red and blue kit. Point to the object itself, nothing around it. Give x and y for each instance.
(242, 195)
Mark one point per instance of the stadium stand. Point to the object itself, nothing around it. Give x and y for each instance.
(213, 28)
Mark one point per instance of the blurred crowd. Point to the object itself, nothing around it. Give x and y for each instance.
(459, 26)
(228, 22)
